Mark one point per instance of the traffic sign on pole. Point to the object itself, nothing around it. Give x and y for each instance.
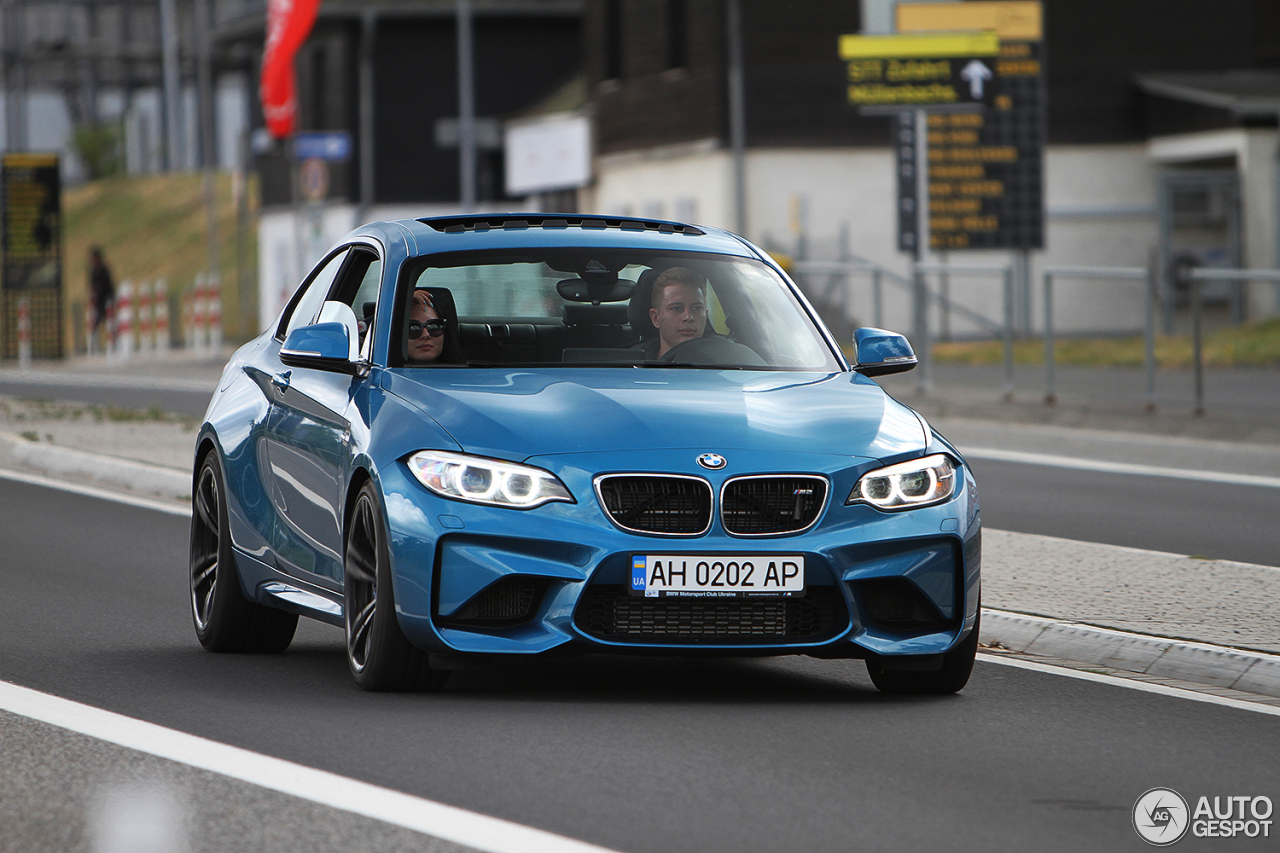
(921, 70)
(986, 169)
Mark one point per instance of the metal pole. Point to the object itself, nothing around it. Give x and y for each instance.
(1196, 344)
(172, 83)
(368, 33)
(877, 297)
(924, 350)
(466, 108)
(208, 144)
(1149, 334)
(944, 308)
(13, 41)
(1007, 335)
(737, 115)
(846, 282)
(1049, 397)
(1022, 258)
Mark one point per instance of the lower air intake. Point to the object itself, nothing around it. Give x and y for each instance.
(899, 605)
(508, 602)
(612, 613)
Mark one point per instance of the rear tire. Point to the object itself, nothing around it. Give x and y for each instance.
(379, 655)
(225, 621)
(957, 665)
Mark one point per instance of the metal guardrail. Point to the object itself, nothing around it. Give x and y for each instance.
(1196, 277)
(921, 295)
(916, 284)
(1102, 274)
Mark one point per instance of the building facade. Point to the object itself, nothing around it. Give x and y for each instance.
(1161, 144)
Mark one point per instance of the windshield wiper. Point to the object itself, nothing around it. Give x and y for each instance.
(691, 366)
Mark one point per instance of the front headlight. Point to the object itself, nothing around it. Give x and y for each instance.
(907, 485)
(486, 481)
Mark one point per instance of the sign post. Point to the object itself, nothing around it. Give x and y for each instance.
(952, 75)
(987, 171)
(31, 242)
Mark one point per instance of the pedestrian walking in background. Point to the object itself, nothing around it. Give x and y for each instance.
(102, 290)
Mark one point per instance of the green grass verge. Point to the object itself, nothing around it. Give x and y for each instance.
(1249, 345)
(155, 226)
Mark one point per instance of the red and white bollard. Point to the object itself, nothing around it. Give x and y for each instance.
(146, 329)
(215, 314)
(90, 339)
(161, 315)
(24, 332)
(200, 314)
(124, 321)
(112, 328)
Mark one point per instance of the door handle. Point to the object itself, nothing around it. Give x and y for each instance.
(281, 380)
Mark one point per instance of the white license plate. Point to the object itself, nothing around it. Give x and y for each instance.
(717, 574)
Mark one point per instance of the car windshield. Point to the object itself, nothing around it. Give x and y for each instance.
(606, 308)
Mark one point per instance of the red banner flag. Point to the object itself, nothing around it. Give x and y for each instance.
(288, 22)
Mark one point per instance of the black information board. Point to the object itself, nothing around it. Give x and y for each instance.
(31, 250)
(986, 168)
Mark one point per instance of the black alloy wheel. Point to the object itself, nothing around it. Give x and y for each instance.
(951, 677)
(225, 621)
(379, 655)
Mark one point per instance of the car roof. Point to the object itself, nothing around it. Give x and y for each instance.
(542, 230)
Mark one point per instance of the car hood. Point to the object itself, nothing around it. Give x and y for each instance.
(519, 414)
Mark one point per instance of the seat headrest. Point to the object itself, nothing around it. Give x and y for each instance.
(641, 302)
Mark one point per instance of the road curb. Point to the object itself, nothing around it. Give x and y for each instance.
(1202, 663)
(80, 465)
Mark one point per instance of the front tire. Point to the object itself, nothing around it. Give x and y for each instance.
(957, 665)
(225, 621)
(379, 655)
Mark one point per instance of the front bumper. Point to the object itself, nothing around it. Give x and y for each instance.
(477, 580)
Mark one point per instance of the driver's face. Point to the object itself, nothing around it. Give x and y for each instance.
(424, 347)
(680, 316)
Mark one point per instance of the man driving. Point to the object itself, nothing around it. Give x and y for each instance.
(678, 310)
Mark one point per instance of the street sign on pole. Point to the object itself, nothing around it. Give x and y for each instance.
(31, 246)
(986, 169)
(333, 146)
(921, 70)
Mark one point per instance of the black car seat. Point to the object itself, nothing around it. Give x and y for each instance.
(641, 302)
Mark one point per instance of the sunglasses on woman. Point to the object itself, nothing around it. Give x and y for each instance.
(434, 328)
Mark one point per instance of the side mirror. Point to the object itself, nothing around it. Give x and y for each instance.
(332, 343)
(880, 353)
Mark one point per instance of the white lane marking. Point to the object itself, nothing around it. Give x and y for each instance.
(319, 786)
(1076, 463)
(95, 492)
(1132, 684)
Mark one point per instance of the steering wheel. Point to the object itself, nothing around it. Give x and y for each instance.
(711, 350)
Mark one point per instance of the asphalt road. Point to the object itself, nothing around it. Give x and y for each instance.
(635, 754)
(1216, 520)
(189, 398)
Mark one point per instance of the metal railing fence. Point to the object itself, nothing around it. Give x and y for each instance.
(922, 296)
(1143, 274)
